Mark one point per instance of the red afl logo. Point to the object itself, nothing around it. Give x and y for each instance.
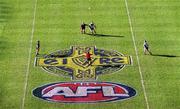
(86, 92)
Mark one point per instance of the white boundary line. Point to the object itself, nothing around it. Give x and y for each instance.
(137, 57)
(29, 57)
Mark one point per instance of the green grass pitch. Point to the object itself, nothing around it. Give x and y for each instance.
(56, 23)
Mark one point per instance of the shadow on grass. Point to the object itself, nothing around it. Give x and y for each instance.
(164, 55)
(105, 35)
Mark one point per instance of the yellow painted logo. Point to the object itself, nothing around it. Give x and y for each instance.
(73, 62)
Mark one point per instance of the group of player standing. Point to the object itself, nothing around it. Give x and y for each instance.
(92, 28)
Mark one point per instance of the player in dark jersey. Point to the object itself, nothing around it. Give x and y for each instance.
(146, 48)
(88, 57)
(83, 28)
(92, 28)
(37, 47)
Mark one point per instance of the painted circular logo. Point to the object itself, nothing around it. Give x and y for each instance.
(73, 63)
(86, 92)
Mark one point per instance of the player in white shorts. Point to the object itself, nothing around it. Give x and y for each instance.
(92, 28)
(146, 48)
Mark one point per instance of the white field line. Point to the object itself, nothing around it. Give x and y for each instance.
(137, 57)
(29, 57)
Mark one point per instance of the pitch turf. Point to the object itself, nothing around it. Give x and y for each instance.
(56, 24)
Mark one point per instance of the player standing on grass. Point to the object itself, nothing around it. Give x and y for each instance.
(83, 27)
(92, 28)
(37, 47)
(146, 48)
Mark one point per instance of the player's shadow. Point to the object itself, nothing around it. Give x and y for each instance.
(105, 35)
(164, 55)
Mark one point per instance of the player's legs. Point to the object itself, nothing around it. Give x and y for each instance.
(88, 61)
(37, 51)
(83, 30)
(147, 50)
(144, 50)
(93, 31)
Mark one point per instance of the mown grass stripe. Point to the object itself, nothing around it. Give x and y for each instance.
(137, 57)
(29, 57)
